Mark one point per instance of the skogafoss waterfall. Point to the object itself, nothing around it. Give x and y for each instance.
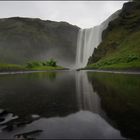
(88, 40)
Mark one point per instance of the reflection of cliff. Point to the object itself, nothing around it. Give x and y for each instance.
(120, 99)
(55, 98)
(47, 94)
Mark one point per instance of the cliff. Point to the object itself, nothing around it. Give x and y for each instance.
(120, 46)
(27, 39)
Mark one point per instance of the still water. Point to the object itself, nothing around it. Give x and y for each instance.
(70, 104)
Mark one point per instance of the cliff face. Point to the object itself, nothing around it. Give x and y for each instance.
(26, 39)
(120, 47)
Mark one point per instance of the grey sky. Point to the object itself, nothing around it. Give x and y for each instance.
(81, 13)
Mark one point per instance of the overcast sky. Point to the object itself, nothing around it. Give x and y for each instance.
(81, 13)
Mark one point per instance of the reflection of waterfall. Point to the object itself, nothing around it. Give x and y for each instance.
(87, 98)
(88, 39)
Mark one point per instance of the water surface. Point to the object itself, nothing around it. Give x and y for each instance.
(70, 104)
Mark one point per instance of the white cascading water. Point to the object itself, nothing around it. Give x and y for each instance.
(88, 40)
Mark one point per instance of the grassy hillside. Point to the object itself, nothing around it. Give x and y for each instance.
(11, 67)
(15, 67)
(27, 39)
(120, 48)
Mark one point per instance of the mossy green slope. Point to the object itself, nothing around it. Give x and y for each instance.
(120, 48)
(29, 39)
(11, 67)
(15, 67)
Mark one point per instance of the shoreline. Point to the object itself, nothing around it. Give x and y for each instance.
(115, 71)
(88, 70)
(31, 71)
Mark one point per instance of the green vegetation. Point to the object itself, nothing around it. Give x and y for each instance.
(116, 64)
(43, 65)
(120, 66)
(11, 67)
(120, 48)
(35, 65)
(50, 62)
(46, 68)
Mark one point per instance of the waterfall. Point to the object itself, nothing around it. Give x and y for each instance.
(88, 40)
